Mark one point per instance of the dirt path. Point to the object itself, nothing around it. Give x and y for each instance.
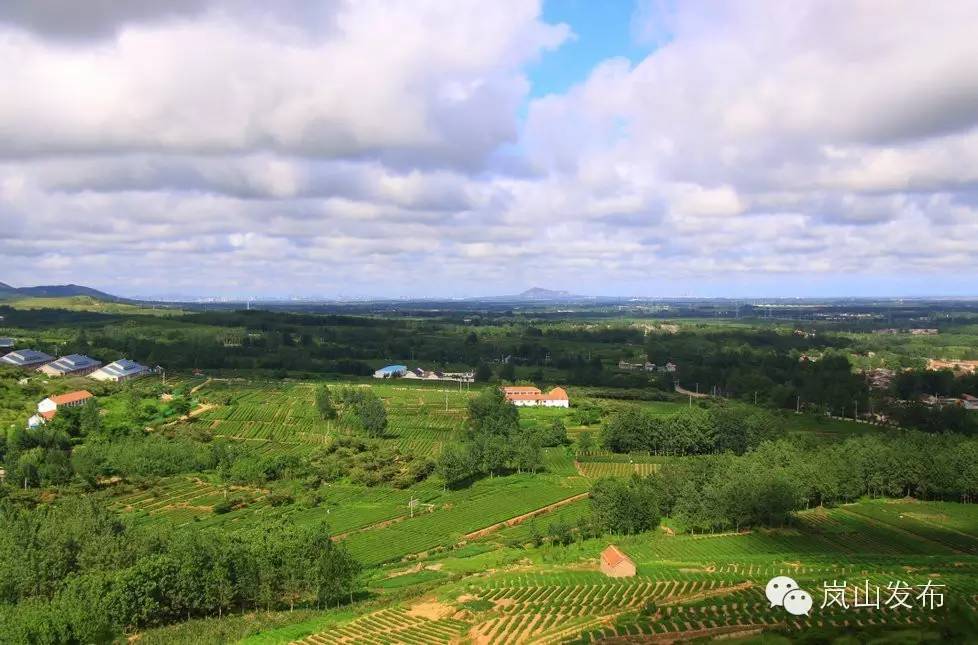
(695, 395)
(519, 519)
(194, 389)
(202, 408)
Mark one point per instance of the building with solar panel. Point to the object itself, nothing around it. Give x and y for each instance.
(26, 358)
(121, 370)
(73, 364)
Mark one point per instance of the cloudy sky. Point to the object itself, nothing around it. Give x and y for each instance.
(448, 148)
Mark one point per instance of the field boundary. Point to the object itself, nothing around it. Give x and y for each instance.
(519, 519)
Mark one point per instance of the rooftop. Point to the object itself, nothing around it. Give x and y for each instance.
(70, 397)
(25, 357)
(123, 367)
(73, 362)
(613, 556)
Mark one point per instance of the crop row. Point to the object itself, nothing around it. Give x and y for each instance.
(390, 626)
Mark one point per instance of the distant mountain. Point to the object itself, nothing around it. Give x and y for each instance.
(55, 291)
(539, 293)
(536, 294)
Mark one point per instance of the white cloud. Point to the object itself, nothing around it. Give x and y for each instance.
(378, 147)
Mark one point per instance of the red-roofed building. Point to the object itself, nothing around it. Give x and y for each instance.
(49, 406)
(528, 395)
(616, 564)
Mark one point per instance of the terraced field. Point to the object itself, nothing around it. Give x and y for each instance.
(284, 416)
(486, 502)
(705, 586)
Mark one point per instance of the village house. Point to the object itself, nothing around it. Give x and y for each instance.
(434, 375)
(7, 343)
(119, 371)
(26, 358)
(48, 408)
(530, 396)
(74, 364)
(616, 564)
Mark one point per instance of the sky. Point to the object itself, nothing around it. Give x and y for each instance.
(426, 148)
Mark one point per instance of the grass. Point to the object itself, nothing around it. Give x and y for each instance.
(88, 303)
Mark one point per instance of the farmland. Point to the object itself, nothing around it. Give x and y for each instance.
(710, 585)
(508, 550)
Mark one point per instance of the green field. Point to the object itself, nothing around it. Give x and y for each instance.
(712, 585)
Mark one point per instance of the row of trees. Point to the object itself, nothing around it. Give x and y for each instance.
(766, 485)
(692, 431)
(764, 366)
(912, 384)
(73, 572)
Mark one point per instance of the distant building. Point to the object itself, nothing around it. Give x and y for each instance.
(391, 371)
(7, 343)
(924, 332)
(48, 408)
(616, 564)
(121, 370)
(435, 375)
(74, 364)
(530, 396)
(969, 402)
(26, 358)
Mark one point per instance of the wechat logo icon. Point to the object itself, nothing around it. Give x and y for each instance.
(782, 591)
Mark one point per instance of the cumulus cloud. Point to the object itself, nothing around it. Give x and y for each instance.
(391, 148)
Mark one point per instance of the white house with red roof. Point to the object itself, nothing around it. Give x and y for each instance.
(48, 408)
(531, 396)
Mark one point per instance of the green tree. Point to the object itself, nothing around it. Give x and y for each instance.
(483, 373)
(324, 403)
(507, 372)
(585, 443)
(454, 464)
(373, 417)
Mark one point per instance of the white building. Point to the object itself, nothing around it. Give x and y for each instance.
(121, 370)
(75, 364)
(48, 408)
(530, 396)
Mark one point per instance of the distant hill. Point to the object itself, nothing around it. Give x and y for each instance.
(535, 294)
(55, 291)
(539, 293)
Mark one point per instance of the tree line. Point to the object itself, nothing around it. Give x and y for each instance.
(692, 431)
(73, 572)
(765, 485)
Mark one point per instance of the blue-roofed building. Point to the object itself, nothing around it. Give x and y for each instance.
(26, 358)
(7, 343)
(391, 371)
(74, 364)
(121, 370)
